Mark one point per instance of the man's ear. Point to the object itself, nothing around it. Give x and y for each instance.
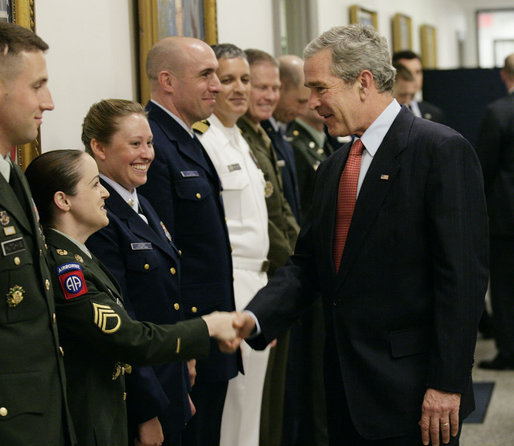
(61, 201)
(365, 81)
(98, 149)
(167, 81)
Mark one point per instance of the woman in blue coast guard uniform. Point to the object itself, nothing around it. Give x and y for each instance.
(140, 253)
(99, 337)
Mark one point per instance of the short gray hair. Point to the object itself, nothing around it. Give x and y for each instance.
(356, 48)
(228, 51)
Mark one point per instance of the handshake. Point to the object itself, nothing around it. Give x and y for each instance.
(229, 328)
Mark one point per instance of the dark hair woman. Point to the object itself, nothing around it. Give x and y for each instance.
(97, 333)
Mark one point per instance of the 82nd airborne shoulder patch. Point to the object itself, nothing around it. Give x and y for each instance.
(71, 278)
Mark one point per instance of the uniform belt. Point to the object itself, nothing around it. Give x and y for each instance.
(251, 264)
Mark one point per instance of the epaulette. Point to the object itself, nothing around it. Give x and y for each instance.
(201, 126)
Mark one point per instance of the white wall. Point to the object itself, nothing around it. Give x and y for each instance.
(91, 57)
(246, 23)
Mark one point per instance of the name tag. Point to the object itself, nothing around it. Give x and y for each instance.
(189, 173)
(233, 167)
(281, 163)
(140, 246)
(13, 246)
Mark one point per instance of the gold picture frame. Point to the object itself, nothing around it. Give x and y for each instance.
(363, 16)
(150, 22)
(402, 32)
(428, 39)
(23, 13)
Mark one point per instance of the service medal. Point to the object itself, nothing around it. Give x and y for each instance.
(15, 296)
(4, 218)
(268, 189)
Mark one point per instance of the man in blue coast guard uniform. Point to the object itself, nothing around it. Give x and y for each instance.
(185, 190)
(32, 395)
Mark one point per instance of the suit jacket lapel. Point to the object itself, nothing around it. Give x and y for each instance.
(377, 183)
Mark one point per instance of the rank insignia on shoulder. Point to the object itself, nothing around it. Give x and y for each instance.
(106, 319)
(72, 280)
(15, 296)
(201, 126)
(4, 218)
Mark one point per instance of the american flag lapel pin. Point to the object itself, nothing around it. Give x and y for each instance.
(384, 177)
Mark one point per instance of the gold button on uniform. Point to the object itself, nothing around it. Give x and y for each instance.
(147, 266)
(198, 195)
(124, 396)
(61, 350)
(179, 252)
(194, 309)
(173, 271)
(54, 318)
(176, 306)
(47, 285)
(3, 411)
(17, 261)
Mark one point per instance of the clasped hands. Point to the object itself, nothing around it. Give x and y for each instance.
(229, 328)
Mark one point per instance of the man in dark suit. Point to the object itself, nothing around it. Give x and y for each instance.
(185, 190)
(396, 244)
(32, 384)
(495, 149)
(291, 103)
(422, 109)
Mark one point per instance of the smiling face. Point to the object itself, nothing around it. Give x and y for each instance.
(24, 96)
(337, 101)
(87, 204)
(128, 156)
(232, 100)
(195, 85)
(265, 91)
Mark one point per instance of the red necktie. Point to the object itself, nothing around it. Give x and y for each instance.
(346, 198)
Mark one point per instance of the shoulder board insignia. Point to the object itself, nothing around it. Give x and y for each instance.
(105, 318)
(201, 126)
(71, 278)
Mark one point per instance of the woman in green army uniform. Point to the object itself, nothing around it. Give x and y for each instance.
(99, 337)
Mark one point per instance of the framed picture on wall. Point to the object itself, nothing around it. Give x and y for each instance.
(161, 18)
(402, 32)
(363, 16)
(428, 38)
(22, 13)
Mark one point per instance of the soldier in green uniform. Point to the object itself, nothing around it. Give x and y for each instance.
(310, 147)
(32, 385)
(282, 226)
(98, 335)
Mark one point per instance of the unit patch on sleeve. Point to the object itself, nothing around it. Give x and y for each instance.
(72, 280)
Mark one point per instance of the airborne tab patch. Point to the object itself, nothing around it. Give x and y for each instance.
(72, 280)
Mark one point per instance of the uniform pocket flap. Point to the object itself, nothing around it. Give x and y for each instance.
(195, 189)
(15, 400)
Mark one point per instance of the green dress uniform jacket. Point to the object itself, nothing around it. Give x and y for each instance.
(100, 338)
(308, 154)
(282, 226)
(32, 384)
